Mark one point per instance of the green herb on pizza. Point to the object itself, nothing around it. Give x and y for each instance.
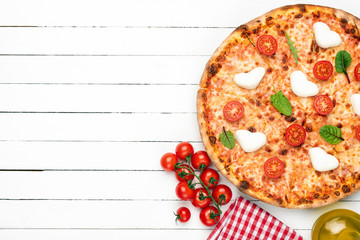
(227, 138)
(342, 62)
(281, 103)
(331, 134)
(293, 49)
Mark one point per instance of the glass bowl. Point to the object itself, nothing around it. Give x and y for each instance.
(339, 224)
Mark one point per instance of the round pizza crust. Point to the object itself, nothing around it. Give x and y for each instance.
(319, 196)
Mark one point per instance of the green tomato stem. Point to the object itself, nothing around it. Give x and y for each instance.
(206, 187)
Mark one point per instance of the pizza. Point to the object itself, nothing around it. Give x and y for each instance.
(278, 106)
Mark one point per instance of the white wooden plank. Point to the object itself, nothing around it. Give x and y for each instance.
(95, 98)
(128, 185)
(116, 234)
(112, 41)
(97, 214)
(102, 69)
(93, 234)
(99, 185)
(122, 214)
(99, 127)
(146, 13)
(86, 155)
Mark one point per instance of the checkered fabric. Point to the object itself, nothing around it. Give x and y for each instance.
(246, 221)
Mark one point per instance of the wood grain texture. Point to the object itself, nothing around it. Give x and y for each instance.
(111, 41)
(109, 234)
(142, 127)
(85, 155)
(93, 185)
(102, 70)
(98, 98)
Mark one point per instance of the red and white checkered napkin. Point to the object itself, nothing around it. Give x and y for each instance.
(246, 221)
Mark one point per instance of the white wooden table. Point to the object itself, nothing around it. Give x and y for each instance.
(92, 93)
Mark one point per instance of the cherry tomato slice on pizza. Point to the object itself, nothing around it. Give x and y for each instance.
(357, 134)
(295, 135)
(274, 167)
(233, 111)
(323, 70)
(357, 72)
(323, 104)
(267, 44)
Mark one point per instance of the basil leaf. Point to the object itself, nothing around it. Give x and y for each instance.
(342, 61)
(228, 139)
(331, 134)
(281, 103)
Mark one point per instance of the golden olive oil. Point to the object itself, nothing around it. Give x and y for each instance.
(339, 224)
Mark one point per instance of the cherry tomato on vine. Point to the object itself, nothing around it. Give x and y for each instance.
(210, 175)
(209, 216)
(183, 191)
(201, 201)
(168, 161)
(295, 135)
(184, 149)
(267, 44)
(233, 111)
(323, 70)
(200, 158)
(183, 214)
(222, 194)
(188, 176)
(274, 167)
(323, 105)
(357, 134)
(357, 72)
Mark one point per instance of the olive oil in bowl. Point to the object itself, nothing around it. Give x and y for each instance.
(339, 224)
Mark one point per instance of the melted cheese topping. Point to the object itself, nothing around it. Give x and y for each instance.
(324, 37)
(301, 86)
(355, 102)
(321, 161)
(250, 142)
(251, 79)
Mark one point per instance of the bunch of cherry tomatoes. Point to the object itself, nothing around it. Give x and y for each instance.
(183, 163)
